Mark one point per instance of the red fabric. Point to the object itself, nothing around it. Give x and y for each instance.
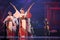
(10, 33)
(22, 32)
(29, 15)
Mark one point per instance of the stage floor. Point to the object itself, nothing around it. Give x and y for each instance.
(33, 38)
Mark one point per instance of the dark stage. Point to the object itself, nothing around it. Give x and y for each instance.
(45, 20)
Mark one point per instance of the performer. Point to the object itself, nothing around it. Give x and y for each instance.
(15, 29)
(24, 31)
(29, 24)
(23, 22)
(9, 24)
(46, 27)
(15, 20)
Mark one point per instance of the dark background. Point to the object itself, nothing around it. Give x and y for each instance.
(42, 9)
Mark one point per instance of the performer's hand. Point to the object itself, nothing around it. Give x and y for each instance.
(30, 6)
(11, 4)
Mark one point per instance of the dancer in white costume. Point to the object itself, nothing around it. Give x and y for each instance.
(9, 21)
(10, 24)
(15, 20)
(22, 15)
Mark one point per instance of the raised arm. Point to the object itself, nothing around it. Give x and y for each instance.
(13, 6)
(30, 7)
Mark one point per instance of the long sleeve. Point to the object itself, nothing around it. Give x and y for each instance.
(16, 14)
